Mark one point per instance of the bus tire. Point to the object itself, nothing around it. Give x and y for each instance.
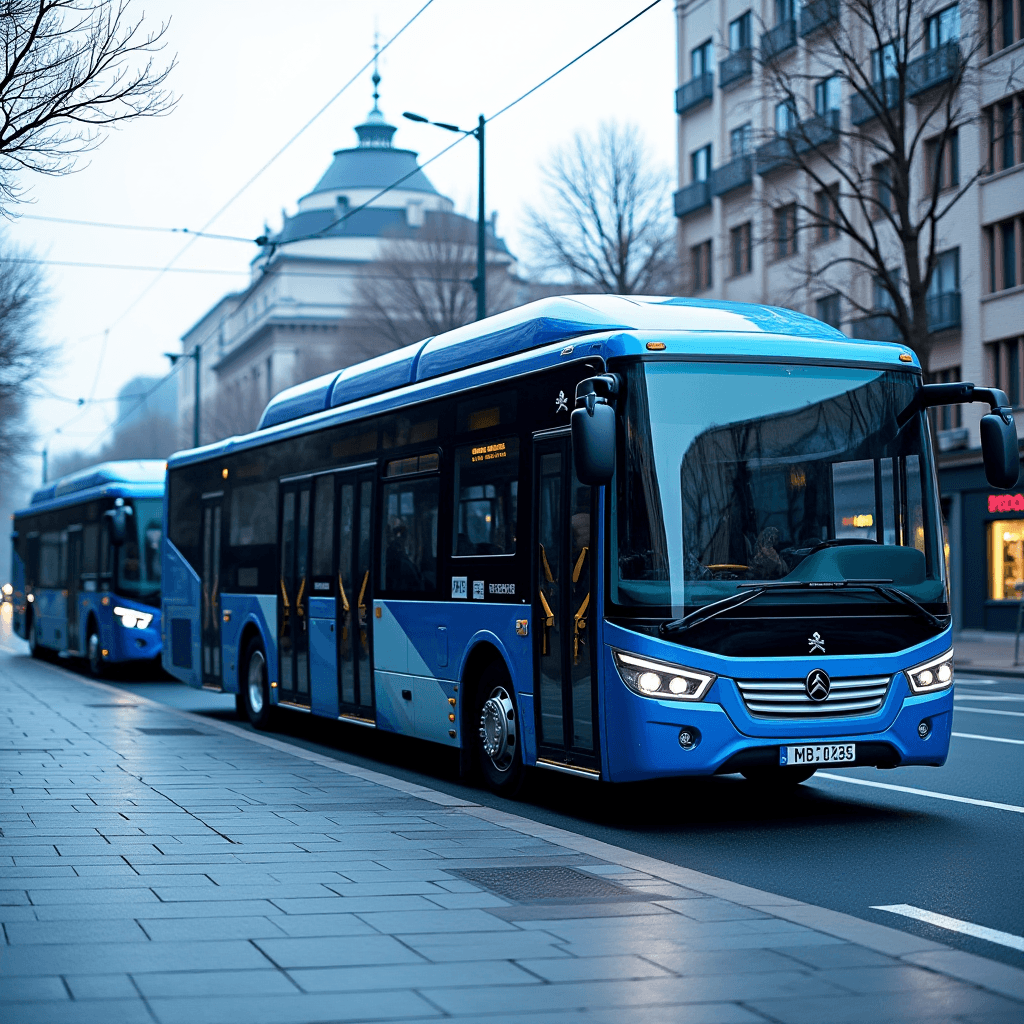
(777, 777)
(94, 651)
(35, 647)
(254, 685)
(496, 732)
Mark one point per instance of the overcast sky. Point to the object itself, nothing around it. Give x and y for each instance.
(250, 74)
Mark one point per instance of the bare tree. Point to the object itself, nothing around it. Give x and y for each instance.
(881, 175)
(605, 218)
(70, 69)
(421, 285)
(22, 357)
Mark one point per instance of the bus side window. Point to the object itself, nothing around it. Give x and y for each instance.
(486, 497)
(409, 525)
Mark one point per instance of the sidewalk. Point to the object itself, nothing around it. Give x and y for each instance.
(160, 866)
(978, 651)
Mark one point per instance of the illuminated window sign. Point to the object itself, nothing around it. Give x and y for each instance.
(865, 520)
(1006, 503)
(487, 452)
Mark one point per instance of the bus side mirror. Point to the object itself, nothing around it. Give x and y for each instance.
(593, 429)
(999, 448)
(117, 522)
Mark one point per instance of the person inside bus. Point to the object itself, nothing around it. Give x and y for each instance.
(401, 572)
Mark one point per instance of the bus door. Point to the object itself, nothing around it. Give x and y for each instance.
(293, 594)
(355, 594)
(74, 644)
(210, 594)
(563, 603)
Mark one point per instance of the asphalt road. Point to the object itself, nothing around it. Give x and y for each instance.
(830, 842)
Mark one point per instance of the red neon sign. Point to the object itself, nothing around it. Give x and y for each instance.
(1006, 503)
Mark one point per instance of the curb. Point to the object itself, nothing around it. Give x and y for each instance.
(992, 975)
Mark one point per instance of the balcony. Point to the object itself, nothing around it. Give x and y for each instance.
(735, 68)
(943, 312)
(773, 155)
(879, 327)
(735, 174)
(934, 68)
(817, 131)
(695, 92)
(692, 198)
(818, 14)
(864, 109)
(779, 39)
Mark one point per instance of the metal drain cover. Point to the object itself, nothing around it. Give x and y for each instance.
(172, 732)
(532, 885)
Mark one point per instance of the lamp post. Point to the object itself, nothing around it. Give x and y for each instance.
(480, 281)
(196, 355)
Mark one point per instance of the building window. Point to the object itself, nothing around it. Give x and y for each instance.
(1004, 23)
(739, 33)
(828, 309)
(946, 417)
(785, 231)
(702, 59)
(828, 95)
(785, 117)
(885, 62)
(1005, 559)
(881, 181)
(1003, 124)
(785, 10)
(1004, 365)
(942, 28)
(827, 205)
(942, 163)
(881, 296)
(1004, 240)
(700, 262)
(739, 141)
(740, 249)
(700, 163)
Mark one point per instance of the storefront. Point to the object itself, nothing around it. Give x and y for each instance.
(986, 544)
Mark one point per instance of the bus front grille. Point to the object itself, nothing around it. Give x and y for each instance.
(787, 698)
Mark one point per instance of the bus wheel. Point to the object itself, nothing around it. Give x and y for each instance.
(499, 750)
(94, 652)
(777, 777)
(35, 647)
(255, 693)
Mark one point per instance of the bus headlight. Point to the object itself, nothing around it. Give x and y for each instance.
(656, 679)
(933, 675)
(131, 619)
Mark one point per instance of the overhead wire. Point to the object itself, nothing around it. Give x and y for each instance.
(132, 227)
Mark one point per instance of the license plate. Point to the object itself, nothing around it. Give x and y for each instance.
(819, 753)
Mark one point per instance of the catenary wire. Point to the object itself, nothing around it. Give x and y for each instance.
(132, 227)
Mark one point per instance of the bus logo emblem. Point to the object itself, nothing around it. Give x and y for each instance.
(817, 644)
(818, 685)
(561, 403)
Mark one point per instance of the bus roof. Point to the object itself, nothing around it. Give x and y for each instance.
(132, 477)
(532, 326)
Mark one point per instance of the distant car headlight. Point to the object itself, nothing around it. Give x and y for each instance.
(131, 619)
(933, 675)
(656, 679)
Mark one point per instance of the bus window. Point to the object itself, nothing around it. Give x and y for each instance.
(486, 498)
(49, 560)
(409, 543)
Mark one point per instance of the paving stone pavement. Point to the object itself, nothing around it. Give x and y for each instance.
(159, 866)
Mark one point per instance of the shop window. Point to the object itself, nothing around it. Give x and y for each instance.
(409, 525)
(486, 497)
(1005, 559)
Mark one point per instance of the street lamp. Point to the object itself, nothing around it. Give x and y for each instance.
(480, 281)
(195, 354)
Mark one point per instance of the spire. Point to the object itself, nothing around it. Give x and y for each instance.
(375, 132)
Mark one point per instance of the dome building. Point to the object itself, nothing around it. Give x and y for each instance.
(300, 314)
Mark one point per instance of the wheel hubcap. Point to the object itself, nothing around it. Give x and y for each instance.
(256, 666)
(498, 728)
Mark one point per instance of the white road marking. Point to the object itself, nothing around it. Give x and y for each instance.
(988, 696)
(993, 739)
(990, 711)
(955, 925)
(920, 792)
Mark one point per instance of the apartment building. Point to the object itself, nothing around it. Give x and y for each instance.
(767, 116)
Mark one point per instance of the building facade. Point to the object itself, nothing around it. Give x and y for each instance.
(760, 80)
(300, 315)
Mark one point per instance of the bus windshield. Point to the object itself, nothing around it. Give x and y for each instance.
(741, 473)
(138, 565)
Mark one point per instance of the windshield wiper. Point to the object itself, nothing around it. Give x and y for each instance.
(716, 608)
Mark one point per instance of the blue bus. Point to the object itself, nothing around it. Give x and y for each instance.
(86, 565)
(619, 538)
